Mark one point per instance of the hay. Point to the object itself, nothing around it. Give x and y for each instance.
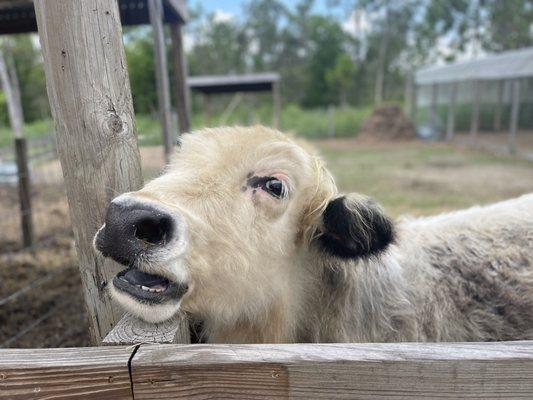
(387, 122)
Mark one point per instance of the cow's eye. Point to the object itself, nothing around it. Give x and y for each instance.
(274, 187)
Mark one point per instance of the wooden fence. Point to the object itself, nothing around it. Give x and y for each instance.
(309, 371)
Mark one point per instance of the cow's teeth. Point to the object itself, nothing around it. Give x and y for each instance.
(145, 288)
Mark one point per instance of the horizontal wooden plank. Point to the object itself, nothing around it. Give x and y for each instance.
(71, 373)
(322, 371)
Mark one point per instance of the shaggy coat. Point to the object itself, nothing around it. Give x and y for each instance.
(265, 250)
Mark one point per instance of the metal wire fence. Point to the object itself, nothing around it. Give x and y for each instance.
(41, 304)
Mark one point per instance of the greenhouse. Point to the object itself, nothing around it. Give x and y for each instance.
(486, 102)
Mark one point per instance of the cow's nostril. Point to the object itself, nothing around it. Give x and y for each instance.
(153, 229)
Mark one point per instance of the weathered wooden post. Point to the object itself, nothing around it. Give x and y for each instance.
(450, 125)
(181, 89)
(515, 112)
(276, 97)
(26, 218)
(89, 93)
(161, 74)
(474, 121)
(499, 105)
(433, 106)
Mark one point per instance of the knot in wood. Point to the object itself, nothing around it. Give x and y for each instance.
(115, 124)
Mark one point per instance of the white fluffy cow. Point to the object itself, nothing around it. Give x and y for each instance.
(246, 233)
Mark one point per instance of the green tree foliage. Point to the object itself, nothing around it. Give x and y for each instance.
(341, 77)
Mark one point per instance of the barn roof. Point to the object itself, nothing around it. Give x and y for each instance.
(506, 65)
(233, 83)
(18, 16)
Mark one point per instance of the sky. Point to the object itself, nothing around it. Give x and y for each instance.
(235, 6)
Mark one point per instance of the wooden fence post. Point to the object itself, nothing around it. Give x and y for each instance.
(474, 121)
(499, 105)
(450, 126)
(89, 93)
(26, 218)
(276, 98)
(515, 112)
(161, 74)
(181, 90)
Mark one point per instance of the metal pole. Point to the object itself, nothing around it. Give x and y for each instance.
(499, 104)
(433, 110)
(276, 97)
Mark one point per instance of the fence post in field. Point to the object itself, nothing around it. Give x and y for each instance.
(276, 97)
(155, 8)
(474, 121)
(181, 90)
(433, 107)
(331, 121)
(515, 112)
(499, 105)
(450, 125)
(90, 98)
(26, 217)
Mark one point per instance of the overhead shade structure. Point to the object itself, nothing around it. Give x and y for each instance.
(219, 84)
(499, 79)
(507, 65)
(18, 16)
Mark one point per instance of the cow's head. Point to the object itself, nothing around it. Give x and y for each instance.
(228, 231)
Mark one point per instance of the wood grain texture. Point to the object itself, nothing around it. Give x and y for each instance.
(89, 93)
(132, 330)
(77, 373)
(343, 371)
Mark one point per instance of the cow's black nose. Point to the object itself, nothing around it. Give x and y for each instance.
(132, 228)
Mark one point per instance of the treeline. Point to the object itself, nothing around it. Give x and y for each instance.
(358, 52)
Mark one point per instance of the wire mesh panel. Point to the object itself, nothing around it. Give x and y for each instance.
(40, 295)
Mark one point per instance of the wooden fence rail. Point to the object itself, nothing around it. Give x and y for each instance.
(309, 371)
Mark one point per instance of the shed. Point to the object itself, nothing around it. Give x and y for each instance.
(496, 79)
(219, 84)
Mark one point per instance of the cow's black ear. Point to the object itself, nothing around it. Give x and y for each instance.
(355, 226)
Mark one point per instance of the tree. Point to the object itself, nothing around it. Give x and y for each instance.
(510, 25)
(341, 77)
(9, 84)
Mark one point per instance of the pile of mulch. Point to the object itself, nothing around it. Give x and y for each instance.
(387, 122)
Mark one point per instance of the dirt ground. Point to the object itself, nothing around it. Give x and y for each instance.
(410, 177)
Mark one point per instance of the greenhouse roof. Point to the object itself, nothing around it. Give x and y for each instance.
(506, 65)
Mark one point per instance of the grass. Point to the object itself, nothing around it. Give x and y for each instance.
(424, 179)
(312, 124)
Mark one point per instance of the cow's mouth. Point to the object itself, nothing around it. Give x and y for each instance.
(148, 288)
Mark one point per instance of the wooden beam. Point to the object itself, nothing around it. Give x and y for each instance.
(161, 75)
(340, 371)
(499, 105)
(179, 7)
(132, 330)
(24, 183)
(474, 121)
(90, 97)
(181, 89)
(75, 373)
(276, 97)
(515, 112)
(450, 125)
